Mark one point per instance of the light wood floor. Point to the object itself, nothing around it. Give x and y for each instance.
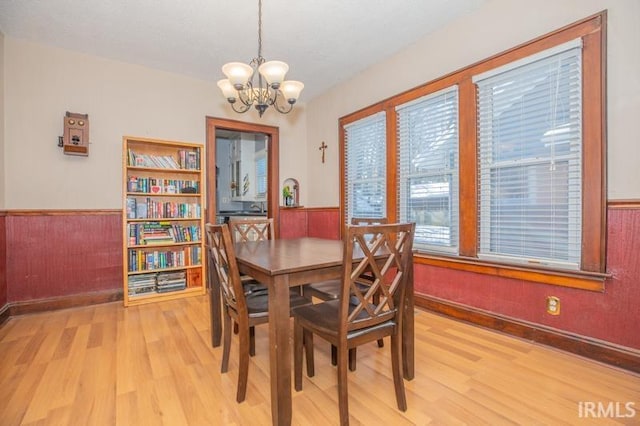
(153, 364)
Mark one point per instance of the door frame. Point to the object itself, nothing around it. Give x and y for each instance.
(273, 166)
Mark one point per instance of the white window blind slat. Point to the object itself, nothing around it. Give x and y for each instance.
(428, 169)
(529, 159)
(365, 167)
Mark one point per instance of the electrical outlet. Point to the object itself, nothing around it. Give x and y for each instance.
(553, 305)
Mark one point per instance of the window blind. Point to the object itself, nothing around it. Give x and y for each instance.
(428, 169)
(529, 157)
(365, 167)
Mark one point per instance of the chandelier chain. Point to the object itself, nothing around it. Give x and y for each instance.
(259, 28)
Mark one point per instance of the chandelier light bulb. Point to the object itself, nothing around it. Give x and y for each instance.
(237, 73)
(227, 88)
(274, 72)
(291, 90)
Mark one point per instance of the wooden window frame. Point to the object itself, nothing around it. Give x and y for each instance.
(592, 273)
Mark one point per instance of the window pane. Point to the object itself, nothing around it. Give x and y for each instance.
(428, 167)
(529, 124)
(365, 167)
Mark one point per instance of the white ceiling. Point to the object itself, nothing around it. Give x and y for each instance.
(323, 41)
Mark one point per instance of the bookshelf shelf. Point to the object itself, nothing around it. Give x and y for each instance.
(163, 220)
(164, 170)
(149, 194)
(157, 245)
(178, 268)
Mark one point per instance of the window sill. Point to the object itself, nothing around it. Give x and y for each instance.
(591, 281)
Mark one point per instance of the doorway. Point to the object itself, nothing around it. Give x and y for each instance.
(271, 133)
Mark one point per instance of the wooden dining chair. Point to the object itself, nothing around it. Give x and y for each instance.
(247, 310)
(330, 290)
(243, 230)
(385, 253)
(254, 229)
(249, 285)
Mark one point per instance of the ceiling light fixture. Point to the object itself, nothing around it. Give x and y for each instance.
(271, 90)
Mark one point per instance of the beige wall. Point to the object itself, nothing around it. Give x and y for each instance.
(496, 26)
(42, 83)
(4, 167)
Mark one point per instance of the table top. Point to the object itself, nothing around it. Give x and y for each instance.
(285, 256)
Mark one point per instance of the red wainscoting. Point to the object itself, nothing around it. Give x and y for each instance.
(611, 316)
(55, 254)
(293, 223)
(51, 255)
(323, 223)
(3, 262)
(318, 222)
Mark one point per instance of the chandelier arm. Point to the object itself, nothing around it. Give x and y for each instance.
(242, 110)
(286, 109)
(247, 95)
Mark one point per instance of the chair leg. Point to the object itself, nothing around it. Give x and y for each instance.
(308, 345)
(396, 365)
(343, 397)
(376, 301)
(297, 355)
(243, 364)
(226, 341)
(334, 355)
(252, 341)
(352, 359)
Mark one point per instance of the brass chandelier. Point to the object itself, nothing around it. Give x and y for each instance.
(271, 89)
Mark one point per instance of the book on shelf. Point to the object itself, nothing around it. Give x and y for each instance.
(143, 259)
(188, 159)
(142, 284)
(171, 281)
(161, 186)
(162, 233)
(131, 208)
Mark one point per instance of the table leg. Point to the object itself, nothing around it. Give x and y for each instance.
(408, 331)
(280, 351)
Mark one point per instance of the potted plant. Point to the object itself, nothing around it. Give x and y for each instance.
(287, 196)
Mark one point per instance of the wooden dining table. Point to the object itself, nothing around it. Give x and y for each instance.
(283, 263)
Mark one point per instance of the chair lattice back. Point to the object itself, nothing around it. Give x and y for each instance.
(223, 260)
(369, 221)
(244, 230)
(379, 256)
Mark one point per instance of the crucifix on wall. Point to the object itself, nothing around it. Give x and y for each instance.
(322, 148)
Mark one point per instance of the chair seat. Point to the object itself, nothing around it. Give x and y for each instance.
(327, 290)
(258, 303)
(252, 286)
(324, 317)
